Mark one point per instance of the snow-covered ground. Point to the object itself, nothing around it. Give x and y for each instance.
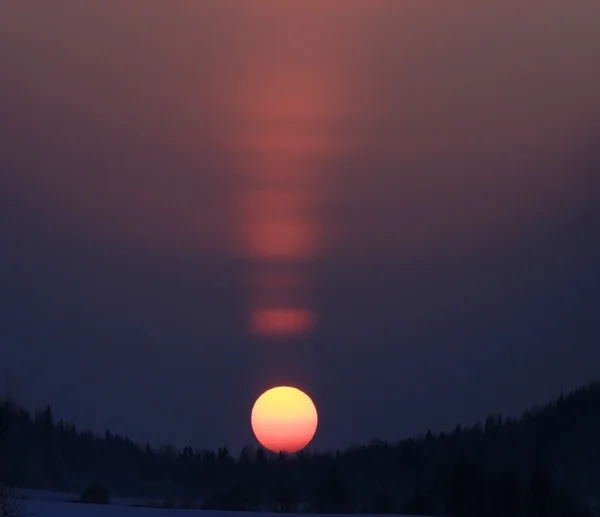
(65, 509)
(55, 505)
(38, 496)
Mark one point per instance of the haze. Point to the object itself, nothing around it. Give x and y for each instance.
(392, 205)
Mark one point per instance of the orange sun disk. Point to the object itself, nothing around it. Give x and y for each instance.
(284, 419)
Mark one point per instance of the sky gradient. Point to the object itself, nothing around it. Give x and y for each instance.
(393, 206)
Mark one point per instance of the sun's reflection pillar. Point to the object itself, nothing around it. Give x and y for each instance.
(284, 142)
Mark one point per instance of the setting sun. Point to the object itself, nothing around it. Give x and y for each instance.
(284, 419)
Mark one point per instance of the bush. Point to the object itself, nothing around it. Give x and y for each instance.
(96, 494)
(10, 504)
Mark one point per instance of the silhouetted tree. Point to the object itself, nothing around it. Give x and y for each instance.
(10, 504)
(331, 494)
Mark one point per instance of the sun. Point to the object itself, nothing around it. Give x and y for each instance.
(284, 419)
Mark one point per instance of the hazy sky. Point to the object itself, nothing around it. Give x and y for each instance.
(393, 205)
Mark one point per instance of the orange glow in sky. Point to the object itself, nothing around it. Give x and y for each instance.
(284, 419)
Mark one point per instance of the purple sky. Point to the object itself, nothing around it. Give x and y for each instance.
(391, 205)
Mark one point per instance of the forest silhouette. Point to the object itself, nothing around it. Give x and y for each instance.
(544, 463)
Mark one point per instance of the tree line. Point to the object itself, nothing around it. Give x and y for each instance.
(545, 463)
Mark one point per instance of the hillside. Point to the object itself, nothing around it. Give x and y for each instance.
(547, 458)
